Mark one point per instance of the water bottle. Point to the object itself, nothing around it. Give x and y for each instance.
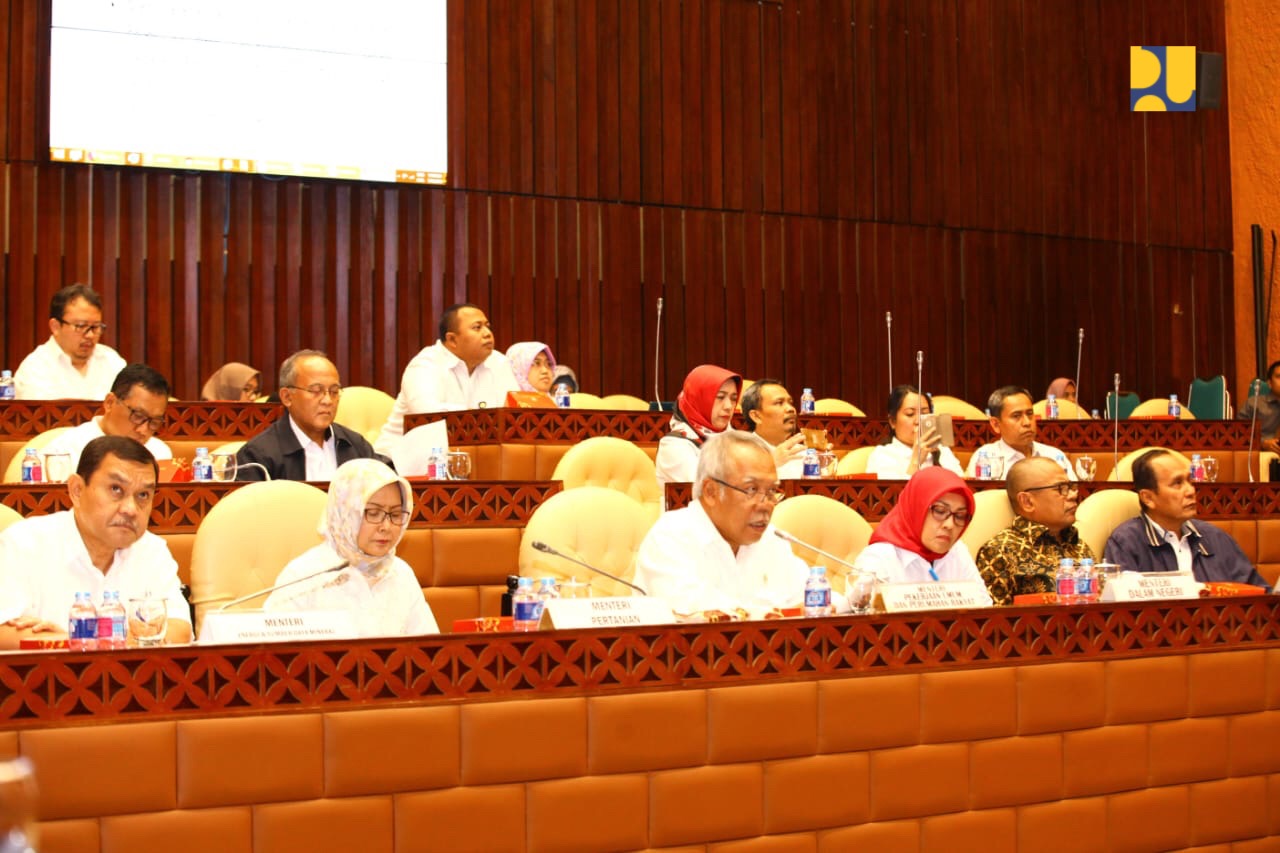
(111, 627)
(7, 391)
(547, 590)
(560, 394)
(812, 465)
(817, 593)
(82, 624)
(525, 607)
(1051, 407)
(1086, 582)
(437, 464)
(806, 402)
(1175, 410)
(31, 470)
(202, 466)
(1197, 469)
(982, 468)
(1094, 414)
(1065, 581)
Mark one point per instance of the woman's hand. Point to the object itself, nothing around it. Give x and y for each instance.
(927, 441)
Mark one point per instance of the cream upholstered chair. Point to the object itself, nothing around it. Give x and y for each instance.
(8, 515)
(599, 526)
(583, 400)
(1124, 468)
(1102, 512)
(624, 402)
(827, 524)
(364, 410)
(13, 472)
(248, 537)
(836, 406)
(1067, 411)
(1157, 407)
(855, 461)
(611, 463)
(229, 447)
(957, 408)
(991, 514)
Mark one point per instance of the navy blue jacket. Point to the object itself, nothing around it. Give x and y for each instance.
(277, 448)
(1215, 556)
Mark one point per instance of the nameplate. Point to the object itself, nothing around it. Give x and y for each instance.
(612, 612)
(275, 626)
(1136, 586)
(933, 595)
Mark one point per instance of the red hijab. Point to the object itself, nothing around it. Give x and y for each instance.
(902, 526)
(699, 395)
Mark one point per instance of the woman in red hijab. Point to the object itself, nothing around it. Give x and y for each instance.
(919, 540)
(705, 407)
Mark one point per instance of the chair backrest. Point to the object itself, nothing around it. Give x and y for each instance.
(625, 402)
(611, 463)
(954, 406)
(600, 526)
(1067, 411)
(1128, 401)
(827, 524)
(1102, 512)
(8, 515)
(13, 471)
(248, 537)
(836, 406)
(991, 514)
(583, 400)
(1124, 468)
(364, 410)
(229, 447)
(855, 461)
(1208, 398)
(1159, 406)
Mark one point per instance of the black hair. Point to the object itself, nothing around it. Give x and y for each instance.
(64, 297)
(139, 374)
(995, 403)
(449, 319)
(1144, 474)
(751, 400)
(126, 448)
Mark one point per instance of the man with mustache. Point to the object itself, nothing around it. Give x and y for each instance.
(100, 544)
(305, 444)
(1014, 419)
(771, 414)
(1163, 538)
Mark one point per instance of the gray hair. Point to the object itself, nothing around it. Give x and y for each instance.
(713, 461)
(995, 403)
(289, 367)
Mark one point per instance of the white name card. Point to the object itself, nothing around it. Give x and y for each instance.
(934, 595)
(1136, 586)
(275, 626)
(610, 612)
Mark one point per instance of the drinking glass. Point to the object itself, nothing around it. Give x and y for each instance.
(148, 620)
(827, 463)
(997, 467)
(1086, 468)
(861, 590)
(57, 467)
(1210, 469)
(574, 588)
(459, 465)
(224, 467)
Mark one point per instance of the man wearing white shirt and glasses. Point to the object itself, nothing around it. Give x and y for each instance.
(73, 364)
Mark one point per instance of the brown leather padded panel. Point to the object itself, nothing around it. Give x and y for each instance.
(418, 550)
(968, 704)
(1015, 771)
(869, 713)
(8, 745)
(898, 835)
(141, 761)
(896, 774)
(704, 803)
(800, 842)
(285, 752)
(546, 458)
(1105, 761)
(1191, 750)
(1068, 826)
(1228, 808)
(588, 813)
(992, 831)
(451, 603)
(479, 819)
(1254, 744)
(791, 792)
(1144, 689)
(751, 723)
(518, 462)
(646, 731)
(555, 740)
(358, 823)
(475, 556)
(1228, 683)
(415, 749)
(1153, 819)
(1060, 697)
(69, 836)
(228, 830)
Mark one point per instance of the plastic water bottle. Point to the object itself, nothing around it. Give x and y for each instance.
(1086, 582)
(202, 466)
(1065, 581)
(560, 394)
(111, 627)
(7, 391)
(1197, 469)
(817, 593)
(437, 464)
(807, 402)
(547, 590)
(1175, 410)
(982, 468)
(32, 472)
(525, 607)
(82, 624)
(1051, 407)
(1094, 414)
(812, 465)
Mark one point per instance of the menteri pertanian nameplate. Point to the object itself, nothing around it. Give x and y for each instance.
(934, 595)
(275, 626)
(610, 612)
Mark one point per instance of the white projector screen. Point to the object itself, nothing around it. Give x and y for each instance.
(351, 89)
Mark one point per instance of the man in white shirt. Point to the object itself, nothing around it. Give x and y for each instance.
(100, 544)
(718, 558)
(1014, 420)
(73, 364)
(770, 413)
(304, 444)
(459, 371)
(134, 408)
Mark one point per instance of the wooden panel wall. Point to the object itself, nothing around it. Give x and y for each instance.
(781, 173)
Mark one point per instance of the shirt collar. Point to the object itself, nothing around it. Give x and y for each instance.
(304, 439)
(72, 535)
(1034, 530)
(64, 359)
(1156, 534)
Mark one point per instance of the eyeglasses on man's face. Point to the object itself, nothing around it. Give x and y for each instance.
(377, 515)
(140, 417)
(317, 392)
(768, 494)
(83, 329)
(941, 512)
(1065, 489)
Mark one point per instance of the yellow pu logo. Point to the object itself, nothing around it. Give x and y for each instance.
(1162, 79)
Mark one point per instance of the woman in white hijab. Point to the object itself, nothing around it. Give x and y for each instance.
(368, 510)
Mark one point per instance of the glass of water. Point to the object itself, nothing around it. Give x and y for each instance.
(1210, 468)
(148, 620)
(1086, 468)
(224, 467)
(861, 590)
(57, 467)
(459, 465)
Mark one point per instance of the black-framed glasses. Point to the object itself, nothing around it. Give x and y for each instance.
(941, 512)
(317, 392)
(139, 417)
(1065, 489)
(377, 515)
(753, 492)
(83, 329)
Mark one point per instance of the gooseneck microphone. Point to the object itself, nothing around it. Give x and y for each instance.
(1253, 423)
(936, 455)
(547, 549)
(1079, 353)
(251, 596)
(1115, 447)
(784, 535)
(888, 330)
(657, 356)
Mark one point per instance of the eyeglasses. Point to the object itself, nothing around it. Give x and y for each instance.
(139, 417)
(83, 329)
(317, 392)
(377, 515)
(941, 512)
(1065, 489)
(754, 493)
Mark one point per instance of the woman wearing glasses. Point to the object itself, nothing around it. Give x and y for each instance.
(233, 381)
(703, 409)
(919, 540)
(365, 517)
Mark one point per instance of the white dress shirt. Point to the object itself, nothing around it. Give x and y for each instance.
(392, 607)
(73, 441)
(44, 563)
(890, 461)
(436, 380)
(322, 459)
(686, 562)
(676, 461)
(1181, 545)
(1010, 456)
(48, 374)
(898, 565)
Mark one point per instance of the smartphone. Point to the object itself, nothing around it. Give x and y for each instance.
(941, 423)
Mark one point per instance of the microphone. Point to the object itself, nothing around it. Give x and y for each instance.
(547, 549)
(251, 596)
(782, 534)
(888, 330)
(265, 473)
(936, 455)
(1079, 352)
(657, 355)
(1253, 422)
(1115, 447)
